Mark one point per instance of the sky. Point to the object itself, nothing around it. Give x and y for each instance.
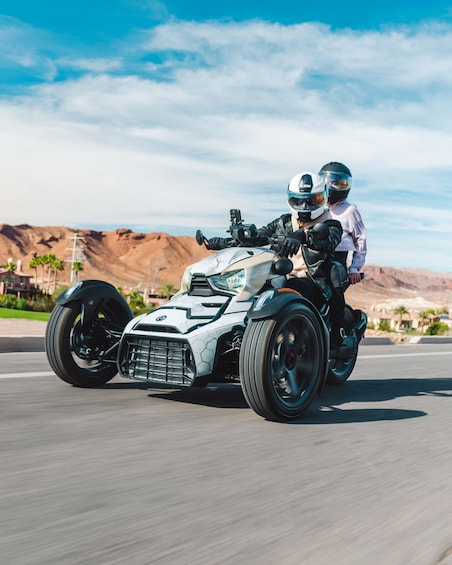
(164, 115)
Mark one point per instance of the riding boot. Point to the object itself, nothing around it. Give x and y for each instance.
(336, 339)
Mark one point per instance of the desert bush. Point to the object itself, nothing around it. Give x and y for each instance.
(437, 328)
(23, 304)
(8, 301)
(46, 302)
(384, 326)
(41, 303)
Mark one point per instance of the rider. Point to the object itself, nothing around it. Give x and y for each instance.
(338, 179)
(311, 237)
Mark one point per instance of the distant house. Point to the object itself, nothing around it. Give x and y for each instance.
(409, 322)
(445, 320)
(18, 282)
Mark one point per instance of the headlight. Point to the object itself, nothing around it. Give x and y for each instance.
(232, 282)
(186, 281)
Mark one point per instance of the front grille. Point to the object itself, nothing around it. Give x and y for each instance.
(156, 360)
(200, 286)
(156, 328)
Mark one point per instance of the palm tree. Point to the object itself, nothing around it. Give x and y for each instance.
(136, 300)
(34, 265)
(167, 290)
(10, 267)
(77, 266)
(400, 311)
(56, 265)
(50, 259)
(423, 316)
(42, 261)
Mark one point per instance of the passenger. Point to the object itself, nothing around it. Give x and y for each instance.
(338, 180)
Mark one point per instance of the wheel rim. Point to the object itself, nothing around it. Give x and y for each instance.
(294, 361)
(87, 345)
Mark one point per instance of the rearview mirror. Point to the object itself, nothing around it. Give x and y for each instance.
(200, 237)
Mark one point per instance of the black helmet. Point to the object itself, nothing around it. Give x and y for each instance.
(338, 179)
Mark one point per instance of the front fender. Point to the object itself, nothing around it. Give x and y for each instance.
(281, 300)
(92, 294)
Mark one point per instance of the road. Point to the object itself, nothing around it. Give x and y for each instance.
(126, 474)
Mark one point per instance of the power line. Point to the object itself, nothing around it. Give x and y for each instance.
(77, 253)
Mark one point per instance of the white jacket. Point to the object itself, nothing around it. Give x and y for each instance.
(354, 236)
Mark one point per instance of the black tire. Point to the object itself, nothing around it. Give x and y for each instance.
(280, 355)
(339, 369)
(75, 356)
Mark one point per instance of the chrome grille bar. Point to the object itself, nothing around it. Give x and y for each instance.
(154, 360)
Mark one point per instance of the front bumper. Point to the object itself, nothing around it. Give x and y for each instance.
(175, 344)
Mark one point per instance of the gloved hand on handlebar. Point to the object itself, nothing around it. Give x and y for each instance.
(262, 238)
(291, 244)
(217, 243)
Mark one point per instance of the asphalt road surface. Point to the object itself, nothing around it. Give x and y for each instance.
(125, 474)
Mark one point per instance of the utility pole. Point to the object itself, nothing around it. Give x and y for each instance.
(77, 253)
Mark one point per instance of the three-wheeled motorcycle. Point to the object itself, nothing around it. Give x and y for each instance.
(233, 320)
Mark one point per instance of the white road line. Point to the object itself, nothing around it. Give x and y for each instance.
(26, 375)
(22, 352)
(405, 355)
(360, 357)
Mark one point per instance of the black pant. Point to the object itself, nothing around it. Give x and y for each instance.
(341, 257)
(306, 287)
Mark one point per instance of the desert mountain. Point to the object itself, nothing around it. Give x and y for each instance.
(151, 260)
(122, 257)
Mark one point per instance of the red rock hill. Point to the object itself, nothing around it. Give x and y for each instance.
(151, 260)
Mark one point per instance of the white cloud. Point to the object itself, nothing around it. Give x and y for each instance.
(90, 64)
(20, 46)
(222, 115)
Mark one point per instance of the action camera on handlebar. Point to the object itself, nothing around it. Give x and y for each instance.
(239, 231)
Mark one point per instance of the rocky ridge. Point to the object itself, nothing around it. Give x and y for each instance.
(150, 260)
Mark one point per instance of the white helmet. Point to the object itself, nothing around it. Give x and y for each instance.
(307, 196)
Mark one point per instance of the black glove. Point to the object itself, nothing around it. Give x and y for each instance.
(291, 244)
(261, 238)
(217, 243)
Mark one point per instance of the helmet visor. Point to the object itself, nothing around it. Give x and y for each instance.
(306, 202)
(337, 181)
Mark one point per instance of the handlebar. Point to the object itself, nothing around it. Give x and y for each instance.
(247, 235)
(242, 235)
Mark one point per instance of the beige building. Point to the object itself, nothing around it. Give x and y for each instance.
(16, 282)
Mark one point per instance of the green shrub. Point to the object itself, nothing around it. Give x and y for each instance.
(42, 303)
(9, 301)
(23, 304)
(437, 328)
(384, 326)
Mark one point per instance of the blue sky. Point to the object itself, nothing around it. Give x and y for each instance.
(161, 116)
